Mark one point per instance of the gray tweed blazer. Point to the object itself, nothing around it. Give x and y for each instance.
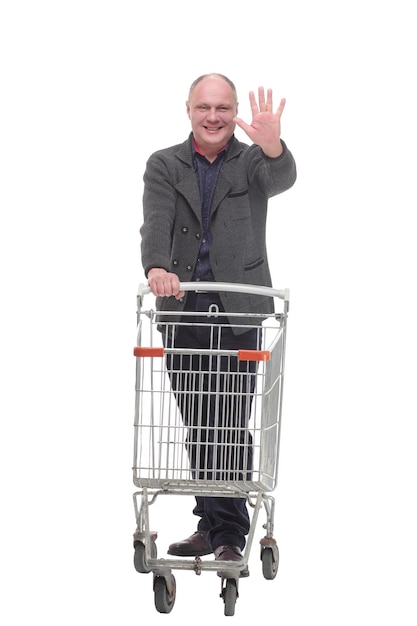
(171, 230)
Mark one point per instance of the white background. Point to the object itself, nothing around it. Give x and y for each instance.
(89, 90)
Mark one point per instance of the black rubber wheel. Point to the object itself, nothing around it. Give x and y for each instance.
(230, 596)
(139, 560)
(270, 560)
(163, 601)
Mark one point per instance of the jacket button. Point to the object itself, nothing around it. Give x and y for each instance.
(175, 263)
(189, 268)
(197, 236)
(184, 230)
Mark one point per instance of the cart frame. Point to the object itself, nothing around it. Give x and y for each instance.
(162, 459)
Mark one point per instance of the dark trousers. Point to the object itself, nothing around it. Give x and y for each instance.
(214, 395)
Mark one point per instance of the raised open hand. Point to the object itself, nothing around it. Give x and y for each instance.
(265, 129)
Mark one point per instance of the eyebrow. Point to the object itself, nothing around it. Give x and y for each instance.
(217, 106)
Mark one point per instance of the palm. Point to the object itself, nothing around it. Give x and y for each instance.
(265, 129)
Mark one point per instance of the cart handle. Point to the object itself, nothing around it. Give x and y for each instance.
(284, 294)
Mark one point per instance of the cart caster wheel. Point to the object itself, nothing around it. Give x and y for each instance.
(270, 561)
(164, 602)
(139, 559)
(229, 595)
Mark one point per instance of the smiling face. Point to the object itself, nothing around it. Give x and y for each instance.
(211, 108)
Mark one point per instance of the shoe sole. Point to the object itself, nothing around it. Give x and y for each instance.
(185, 553)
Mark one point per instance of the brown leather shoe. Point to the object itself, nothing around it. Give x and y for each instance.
(195, 545)
(230, 553)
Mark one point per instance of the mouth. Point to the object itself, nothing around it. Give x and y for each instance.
(212, 129)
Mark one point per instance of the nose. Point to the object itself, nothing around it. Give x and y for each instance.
(213, 114)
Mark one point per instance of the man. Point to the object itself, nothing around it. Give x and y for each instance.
(205, 209)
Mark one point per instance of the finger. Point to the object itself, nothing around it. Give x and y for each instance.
(162, 285)
(269, 100)
(253, 103)
(281, 107)
(175, 285)
(261, 96)
(153, 285)
(243, 125)
(158, 287)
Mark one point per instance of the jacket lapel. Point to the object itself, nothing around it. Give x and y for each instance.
(224, 184)
(188, 186)
(223, 188)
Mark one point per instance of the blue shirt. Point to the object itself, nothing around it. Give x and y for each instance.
(207, 174)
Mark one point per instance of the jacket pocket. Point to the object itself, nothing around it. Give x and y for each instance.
(238, 194)
(254, 264)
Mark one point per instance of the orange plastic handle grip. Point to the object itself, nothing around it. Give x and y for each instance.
(254, 355)
(139, 351)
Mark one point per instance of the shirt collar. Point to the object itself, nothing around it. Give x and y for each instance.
(197, 150)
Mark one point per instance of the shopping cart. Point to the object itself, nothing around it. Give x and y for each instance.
(180, 450)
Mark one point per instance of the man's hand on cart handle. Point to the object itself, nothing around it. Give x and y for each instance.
(163, 283)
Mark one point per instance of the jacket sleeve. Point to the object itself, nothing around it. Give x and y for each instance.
(274, 175)
(159, 198)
